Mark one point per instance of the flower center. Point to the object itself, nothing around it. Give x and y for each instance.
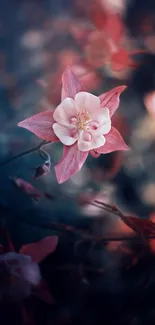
(82, 120)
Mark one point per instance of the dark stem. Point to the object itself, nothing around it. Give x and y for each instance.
(86, 234)
(22, 154)
(70, 267)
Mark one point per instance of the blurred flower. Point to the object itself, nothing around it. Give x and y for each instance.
(108, 45)
(80, 29)
(82, 122)
(97, 49)
(32, 39)
(17, 273)
(68, 57)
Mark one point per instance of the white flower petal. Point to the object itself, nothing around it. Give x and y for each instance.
(64, 134)
(101, 124)
(94, 143)
(65, 111)
(88, 102)
(103, 116)
(32, 274)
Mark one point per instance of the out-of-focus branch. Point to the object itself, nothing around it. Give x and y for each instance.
(22, 154)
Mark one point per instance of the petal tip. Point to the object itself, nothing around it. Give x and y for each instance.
(20, 124)
(59, 178)
(122, 88)
(127, 148)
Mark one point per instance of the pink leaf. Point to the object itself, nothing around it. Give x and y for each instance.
(41, 125)
(70, 84)
(29, 189)
(111, 99)
(71, 162)
(43, 293)
(114, 142)
(41, 249)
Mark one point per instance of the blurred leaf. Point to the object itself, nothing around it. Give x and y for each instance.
(41, 249)
(28, 188)
(143, 227)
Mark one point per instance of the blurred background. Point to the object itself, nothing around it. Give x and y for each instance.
(38, 40)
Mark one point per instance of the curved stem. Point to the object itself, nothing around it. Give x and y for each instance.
(85, 234)
(22, 154)
(45, 155)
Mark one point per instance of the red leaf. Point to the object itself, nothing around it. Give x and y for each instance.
(120, 60)
(114, 28)
(41, 249)
(28, 188)
(111, 24)
(143, 227)
(41, 125)
(111, 99)
(43, 293)
(98, 16)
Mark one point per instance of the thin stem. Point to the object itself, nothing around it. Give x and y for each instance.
(22, 154)
(86, 235)
(45, 155)
(107, 207)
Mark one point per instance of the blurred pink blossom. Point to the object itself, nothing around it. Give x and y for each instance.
(18, 272)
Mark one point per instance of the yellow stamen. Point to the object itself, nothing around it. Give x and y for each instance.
(83, 119)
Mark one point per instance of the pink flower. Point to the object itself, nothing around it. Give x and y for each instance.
(78, 121)
(20, 273)
(82, 122)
